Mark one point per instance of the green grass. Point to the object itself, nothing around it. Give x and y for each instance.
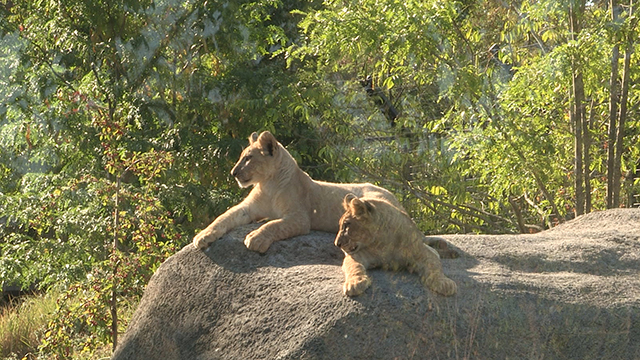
(22, 325)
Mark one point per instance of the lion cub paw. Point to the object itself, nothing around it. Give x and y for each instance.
(443, 286)
(256, 242)
(202, 240)
(207, 236)
(356, 285)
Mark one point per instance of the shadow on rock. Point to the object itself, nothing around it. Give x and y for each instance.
(231, 253)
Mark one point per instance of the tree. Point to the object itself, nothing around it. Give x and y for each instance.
(613, 108)
(618, 101)
(620, 134)
(576, 8)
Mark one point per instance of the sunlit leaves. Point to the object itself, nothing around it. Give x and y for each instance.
(380, 38)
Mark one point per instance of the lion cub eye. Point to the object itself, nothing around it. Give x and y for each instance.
(247, 158)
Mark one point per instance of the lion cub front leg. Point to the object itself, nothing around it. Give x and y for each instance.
(355, 273)
(430, 271)
(232, 218)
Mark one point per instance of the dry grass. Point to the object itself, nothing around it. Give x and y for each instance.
(22, 325)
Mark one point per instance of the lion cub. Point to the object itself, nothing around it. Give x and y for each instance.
(374, 233)
(285, 195)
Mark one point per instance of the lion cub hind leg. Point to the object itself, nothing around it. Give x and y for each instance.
(356, 279)
(441, 246)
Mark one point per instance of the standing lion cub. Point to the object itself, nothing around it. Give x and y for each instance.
(374, 233)
(293, 203)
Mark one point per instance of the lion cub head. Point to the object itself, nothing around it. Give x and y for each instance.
(356, 224)
(257, 161)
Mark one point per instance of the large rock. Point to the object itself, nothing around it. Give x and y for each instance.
(572, 292)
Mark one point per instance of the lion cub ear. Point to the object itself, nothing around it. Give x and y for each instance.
(253, 137)
(268, 142)
(347, 200)
(360, 208)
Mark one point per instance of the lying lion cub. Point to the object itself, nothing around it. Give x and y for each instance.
(375, 233)
(283, 193)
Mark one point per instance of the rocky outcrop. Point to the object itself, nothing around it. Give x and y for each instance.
(572, 292)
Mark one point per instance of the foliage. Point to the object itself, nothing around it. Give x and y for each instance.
(483, 140)
(118, 121)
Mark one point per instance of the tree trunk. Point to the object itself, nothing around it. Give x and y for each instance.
(575, 10)
(578, 126)
(114, 294)
(516, 210)
(617, 173)
(586, 144)
(613, 110)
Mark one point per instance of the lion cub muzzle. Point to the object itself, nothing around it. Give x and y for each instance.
(345, 244)
(340, 241)
(239, 172)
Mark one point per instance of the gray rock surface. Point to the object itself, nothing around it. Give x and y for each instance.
(572, 292)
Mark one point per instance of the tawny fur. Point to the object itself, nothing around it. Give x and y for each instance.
(283, 193)
(376, 233)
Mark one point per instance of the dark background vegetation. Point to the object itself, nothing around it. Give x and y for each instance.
(120, 121)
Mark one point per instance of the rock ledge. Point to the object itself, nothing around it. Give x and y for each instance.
(572, 292)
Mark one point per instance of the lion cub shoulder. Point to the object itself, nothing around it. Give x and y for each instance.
(374, 233)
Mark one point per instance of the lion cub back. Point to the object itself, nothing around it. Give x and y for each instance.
(394, 233)
(326, 202)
